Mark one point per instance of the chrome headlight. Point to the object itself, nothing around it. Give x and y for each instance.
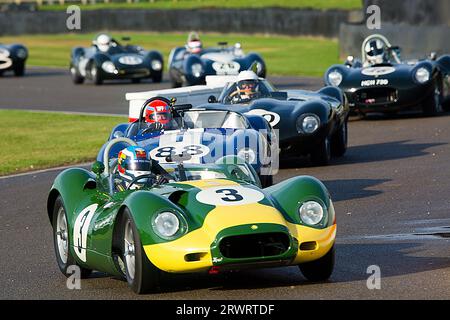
(156, 65)
(335, 78)
(21, 53)
(197, 70)
(166, 224)
(422, 75)
(108, 66)
(311, 213)
(308, 124)
(247, 154)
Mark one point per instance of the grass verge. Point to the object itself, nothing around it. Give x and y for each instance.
(297, 56)
(193, 4)
(38, 140)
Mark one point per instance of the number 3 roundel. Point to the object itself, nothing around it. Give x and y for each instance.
(229, 196)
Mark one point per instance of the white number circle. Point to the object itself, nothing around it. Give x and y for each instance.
(229, 196)
(271, 117)
(196, 151)
(377, 71)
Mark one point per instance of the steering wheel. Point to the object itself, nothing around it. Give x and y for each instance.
(149, 176)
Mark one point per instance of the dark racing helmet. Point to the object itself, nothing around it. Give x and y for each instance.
(375, 51)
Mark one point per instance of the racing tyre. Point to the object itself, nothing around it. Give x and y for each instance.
(61, 241)
(77, 78)
(95, 75)
(339, 142)
(142, 276)
(321, 155)
(446, 104)
(319, 270)
(19, 69)
(157, 78)
(433, 104)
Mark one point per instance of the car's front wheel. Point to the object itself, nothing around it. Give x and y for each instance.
(157, 77)
(321, 155)
(77, 78)
(61, 240)
(433, 104)
(95, 75)
(142, 276)
(320, 269)
(340, 140)
(19, 69)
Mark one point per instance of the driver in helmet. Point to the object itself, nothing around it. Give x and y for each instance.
(375, 51)
(246, 88)
(133, 162)
(194, 45)
(158, 115)
(103, 42)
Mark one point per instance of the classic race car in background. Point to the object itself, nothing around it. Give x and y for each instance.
(382, 82)
(109, 60)
(223, 221)
(13, 58)
(190, 65)
(306, 122)
(206, 135)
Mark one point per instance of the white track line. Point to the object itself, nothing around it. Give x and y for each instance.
(43, 171)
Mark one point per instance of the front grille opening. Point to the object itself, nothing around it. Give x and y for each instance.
(376, 96)
(254, 245)
(308, 246)
(192, 257)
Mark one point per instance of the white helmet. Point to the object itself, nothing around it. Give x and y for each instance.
(103, 42)
(194, 45)
(375, 50)
(247, 75)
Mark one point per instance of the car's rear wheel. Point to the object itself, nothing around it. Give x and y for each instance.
(320, 269)
(433, 104)
(77, 78)
(95, 75)
(340, 140)
(321, 155)
(142, 276)
(61, 240)
(19, 69)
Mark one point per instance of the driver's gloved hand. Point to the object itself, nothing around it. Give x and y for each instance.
(162, 179)
(157, 126)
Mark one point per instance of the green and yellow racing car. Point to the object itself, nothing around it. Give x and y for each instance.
(197, 218)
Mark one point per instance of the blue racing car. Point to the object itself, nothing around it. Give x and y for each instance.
(166, 130)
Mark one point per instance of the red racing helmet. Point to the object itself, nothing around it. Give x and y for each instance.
(158, 110)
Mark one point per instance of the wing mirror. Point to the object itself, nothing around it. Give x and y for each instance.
(98, 168)
(118, 134)
(212, 99)
(349, 61)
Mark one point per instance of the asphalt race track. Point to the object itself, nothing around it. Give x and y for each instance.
(391, 192)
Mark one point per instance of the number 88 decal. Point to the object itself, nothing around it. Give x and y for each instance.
(194, 150)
